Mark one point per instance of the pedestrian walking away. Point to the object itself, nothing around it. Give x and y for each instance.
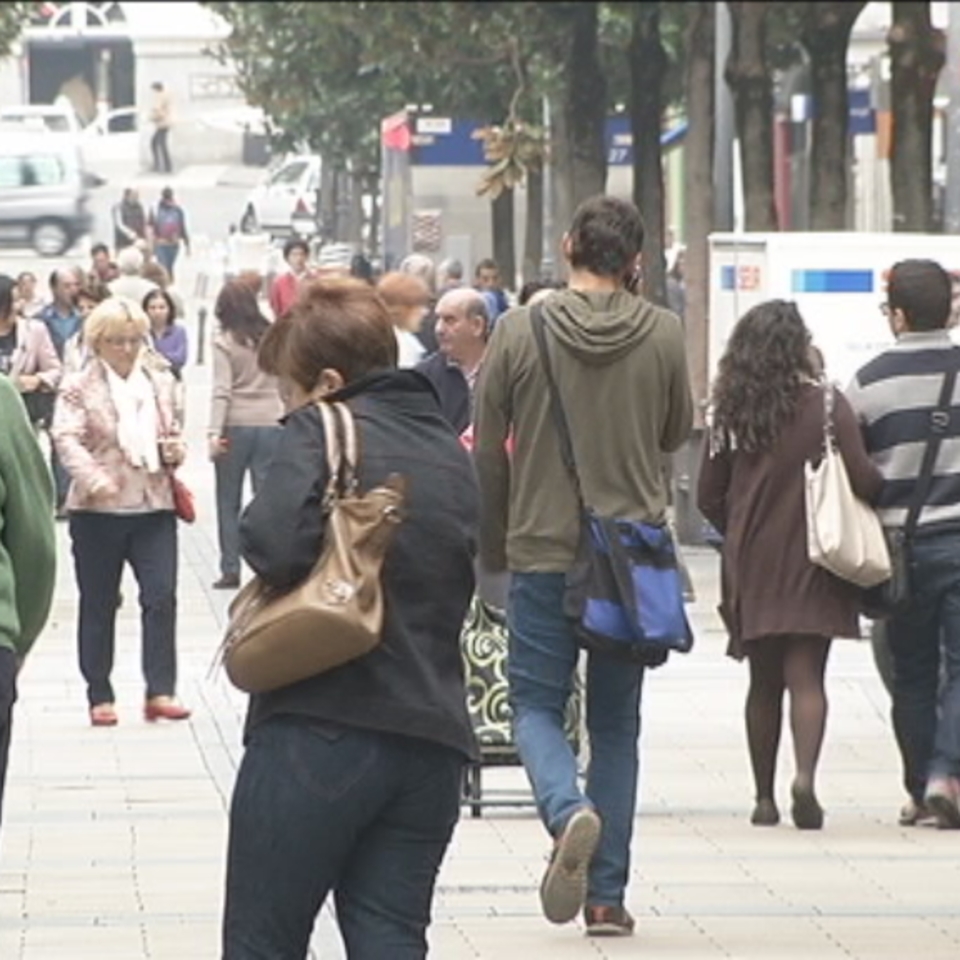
(781, 610)
(245, 411)
(350, 781)
(620, 364)
(896, 397)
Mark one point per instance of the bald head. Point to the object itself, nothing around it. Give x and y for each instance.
(463, 322)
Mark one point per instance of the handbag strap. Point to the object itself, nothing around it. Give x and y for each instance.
(340, 440)
(539, 324)
(939, 424)
(829, 434)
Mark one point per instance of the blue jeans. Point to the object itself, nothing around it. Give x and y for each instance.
(166, 254)
(320, 807)
(248, 449)
(542, 663)
(928, 737)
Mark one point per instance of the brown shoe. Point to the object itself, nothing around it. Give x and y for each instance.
(608, 922)
(564, 886)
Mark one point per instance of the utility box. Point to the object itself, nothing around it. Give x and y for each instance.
(838, 280)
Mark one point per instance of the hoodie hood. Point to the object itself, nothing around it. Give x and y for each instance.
(599, 327)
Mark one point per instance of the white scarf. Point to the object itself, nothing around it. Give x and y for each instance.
(136, 405)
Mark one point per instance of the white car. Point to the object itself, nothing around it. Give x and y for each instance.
(112, 138)
(34, 118)
(286, 201)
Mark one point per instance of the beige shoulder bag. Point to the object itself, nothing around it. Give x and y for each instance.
(844, 534)
(336, 614)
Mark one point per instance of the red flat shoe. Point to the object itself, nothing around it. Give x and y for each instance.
(103, 715)
(164, 708)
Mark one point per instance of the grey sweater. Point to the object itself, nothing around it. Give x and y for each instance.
(243, 395)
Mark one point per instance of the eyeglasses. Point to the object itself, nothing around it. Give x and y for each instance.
(123, 341)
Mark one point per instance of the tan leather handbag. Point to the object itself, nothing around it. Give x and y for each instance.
(336, 614)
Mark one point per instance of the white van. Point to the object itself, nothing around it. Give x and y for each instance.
(43, 196)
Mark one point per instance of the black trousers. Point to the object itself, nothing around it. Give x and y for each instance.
(102, 543)
(8, 696)
(160, 151)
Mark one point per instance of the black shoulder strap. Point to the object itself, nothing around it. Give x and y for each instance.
(539, 325)
(939, 424)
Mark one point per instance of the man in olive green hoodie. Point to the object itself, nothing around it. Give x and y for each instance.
(621, 370)
(27, 552)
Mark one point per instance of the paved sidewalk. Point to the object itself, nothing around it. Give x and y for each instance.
(113, 842)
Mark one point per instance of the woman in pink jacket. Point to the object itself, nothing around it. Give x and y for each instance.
(27, 355)
(117, 433)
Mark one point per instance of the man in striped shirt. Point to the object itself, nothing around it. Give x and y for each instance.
(895, 396)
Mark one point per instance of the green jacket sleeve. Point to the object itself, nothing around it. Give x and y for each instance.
(492, 419)
(27, 539)
(679, 419)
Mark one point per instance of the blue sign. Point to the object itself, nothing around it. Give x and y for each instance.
(831, 281)
(458, 148)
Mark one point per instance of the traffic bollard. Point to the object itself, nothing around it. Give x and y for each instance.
(201, 334)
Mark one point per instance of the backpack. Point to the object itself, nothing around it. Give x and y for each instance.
(167, 223)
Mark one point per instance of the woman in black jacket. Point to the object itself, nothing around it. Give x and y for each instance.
(351, 780)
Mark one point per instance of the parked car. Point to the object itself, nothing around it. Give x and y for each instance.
(43, 193)
(37, 118)
(112, 137)
(286, 200)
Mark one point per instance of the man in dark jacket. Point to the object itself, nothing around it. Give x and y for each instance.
(619, 363)
(461, 331)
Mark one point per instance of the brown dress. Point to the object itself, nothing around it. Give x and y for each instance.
(768, 585)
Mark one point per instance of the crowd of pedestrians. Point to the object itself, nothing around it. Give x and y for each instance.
(351, 781)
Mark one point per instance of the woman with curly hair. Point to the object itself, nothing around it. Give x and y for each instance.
(781, 611)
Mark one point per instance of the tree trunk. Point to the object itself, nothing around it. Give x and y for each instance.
(698, 188)
(561, 185)
(504, 248)
(648, 63)
(916, 58)
(579, 133)
(749, 77)
(826, 36)
(374, 243)
(533, 236)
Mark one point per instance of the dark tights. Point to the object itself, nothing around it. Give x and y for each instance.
(797, 664)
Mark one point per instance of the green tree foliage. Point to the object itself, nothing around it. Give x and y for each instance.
(14, 17)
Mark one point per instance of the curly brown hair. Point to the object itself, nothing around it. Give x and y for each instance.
(761, 372)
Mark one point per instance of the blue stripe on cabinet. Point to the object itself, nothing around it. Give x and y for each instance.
(728, 277)
(831, 281)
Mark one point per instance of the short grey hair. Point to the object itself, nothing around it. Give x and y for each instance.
(451, 269)
(420, 265)
(130, 261)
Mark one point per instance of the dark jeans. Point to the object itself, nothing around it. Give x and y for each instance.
(928, 733)
(61, 479)
(166, 254)
(319, 807)
(102, 543)
(160, 151)
(248, 449)
(543, 659)
(8, 696)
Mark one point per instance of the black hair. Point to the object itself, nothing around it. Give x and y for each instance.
(171, 306)
(923, 290)
(295, 243)
(761, 372)
(487, 263)
(7, 286)
(99, 248)
(605, 237)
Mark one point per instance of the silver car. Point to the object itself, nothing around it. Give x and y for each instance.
(43, 194)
